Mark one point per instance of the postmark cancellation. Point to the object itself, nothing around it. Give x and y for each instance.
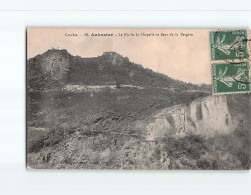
(230, 61)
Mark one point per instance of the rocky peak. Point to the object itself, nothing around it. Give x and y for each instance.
(49, 68)
(114, 58)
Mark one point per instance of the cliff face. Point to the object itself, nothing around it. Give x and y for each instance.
(49, 69)
(207, 116)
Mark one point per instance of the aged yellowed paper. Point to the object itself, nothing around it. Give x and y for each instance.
(138, 98)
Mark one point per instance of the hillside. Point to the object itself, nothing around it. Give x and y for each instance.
(109, 113)
(56, 68)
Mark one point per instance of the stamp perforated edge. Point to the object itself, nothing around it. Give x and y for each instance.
(212, 57)
(232, 92)
(222, 61)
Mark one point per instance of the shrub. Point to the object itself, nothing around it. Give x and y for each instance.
(192, 146)
(36, 140)
(203, 164)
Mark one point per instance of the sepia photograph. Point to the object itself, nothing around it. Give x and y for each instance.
(144, 99)
(117, 98)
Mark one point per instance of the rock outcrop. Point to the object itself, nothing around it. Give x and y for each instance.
(205, 116)
(49, 69)
(56, 68)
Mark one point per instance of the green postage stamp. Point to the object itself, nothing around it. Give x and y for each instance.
(228, 45)
(230, 61)
(229, 78)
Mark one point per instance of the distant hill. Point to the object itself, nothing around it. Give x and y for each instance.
(57, 67)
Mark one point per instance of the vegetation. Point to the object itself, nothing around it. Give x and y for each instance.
(55, 68)
(101, 132)
(105, 129)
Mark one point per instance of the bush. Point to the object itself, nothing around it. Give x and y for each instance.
(36, 140)
(203, 164)
(40, 138)
(192, 146)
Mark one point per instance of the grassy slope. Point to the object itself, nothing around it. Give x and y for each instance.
(61, 124)
(69, 141)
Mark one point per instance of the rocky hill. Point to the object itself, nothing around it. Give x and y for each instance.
(57, 67)
(109, 113)
(48, 70)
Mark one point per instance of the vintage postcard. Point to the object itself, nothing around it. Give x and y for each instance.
(148, 99)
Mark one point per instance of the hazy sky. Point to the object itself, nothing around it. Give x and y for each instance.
(180, 57)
